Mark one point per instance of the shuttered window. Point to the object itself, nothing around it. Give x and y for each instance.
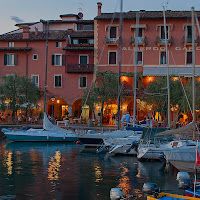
(113, 58)
(58, 59)
(163, 60)
(189, 58)
(10, 59)
(57, 81)
(82, 81)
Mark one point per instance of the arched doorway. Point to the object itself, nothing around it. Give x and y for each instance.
(79, 110)
(57, 107)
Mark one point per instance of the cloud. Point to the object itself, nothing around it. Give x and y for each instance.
(16, 19)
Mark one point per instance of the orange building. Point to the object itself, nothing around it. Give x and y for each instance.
(70, 59)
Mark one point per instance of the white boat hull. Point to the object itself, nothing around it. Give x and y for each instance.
(41, 135)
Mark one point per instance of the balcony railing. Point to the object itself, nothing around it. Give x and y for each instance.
(139, 40)
(111, 41)
(84, 46)
(160, 41)
(188, 40)
(80, 68)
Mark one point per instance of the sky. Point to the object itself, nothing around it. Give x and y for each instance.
(18, 11)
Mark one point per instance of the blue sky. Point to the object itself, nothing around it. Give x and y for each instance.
(31, 11)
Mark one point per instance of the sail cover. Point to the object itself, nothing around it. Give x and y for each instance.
(184, 129)
(47, 125)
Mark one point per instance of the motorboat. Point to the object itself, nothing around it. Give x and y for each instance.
(96, 139)
(49, 133)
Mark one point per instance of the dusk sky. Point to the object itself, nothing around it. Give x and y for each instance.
(17, 11)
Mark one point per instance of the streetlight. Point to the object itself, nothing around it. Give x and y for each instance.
(53, 99)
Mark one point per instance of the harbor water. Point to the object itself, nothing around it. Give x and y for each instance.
(58, 171)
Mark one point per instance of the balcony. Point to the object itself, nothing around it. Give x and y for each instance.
(188, 41)
(80, 68)
(111, 41)
(140, 41)
(84, 46)
(160, 41)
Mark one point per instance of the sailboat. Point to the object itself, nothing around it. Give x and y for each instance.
(49, 133)
(184, 158)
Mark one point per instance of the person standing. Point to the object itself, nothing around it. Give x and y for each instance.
(128, 117)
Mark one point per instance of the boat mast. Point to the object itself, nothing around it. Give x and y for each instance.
(46, 59)
(120, 62)
(167, 65)
(193, 70)
(135, 71)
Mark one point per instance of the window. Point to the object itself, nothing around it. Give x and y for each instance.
(139, 58)
(162, 32)
(59, 44)
(35, 80)
(82, 81)
(188, 58)
(35, 56)
(75, 41)
(91, 41)
(189, 34)
(87, 27)
(83, 41)
(163, 60)
(11, 44)
(58, 59)
(10, 59)
(112, 58)
(57, 81)
(83, 59)
(113, 32)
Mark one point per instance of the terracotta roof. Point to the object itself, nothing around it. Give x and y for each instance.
(69, 21)
(147, 15)
(41, 36)
(15, 48)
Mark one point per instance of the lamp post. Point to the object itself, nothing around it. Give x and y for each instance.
(52, 99)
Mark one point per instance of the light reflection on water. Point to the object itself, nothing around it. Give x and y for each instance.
(63, 171)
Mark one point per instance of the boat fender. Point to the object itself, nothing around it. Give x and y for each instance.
(47, 137)
(77, 142)
(63, 137)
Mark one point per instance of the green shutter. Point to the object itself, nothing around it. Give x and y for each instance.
(15, 59)
(63, 60)
(5, 59)
(52, 59)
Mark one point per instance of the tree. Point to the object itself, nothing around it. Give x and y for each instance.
(104, 89)
(156, 94)
(17, 90)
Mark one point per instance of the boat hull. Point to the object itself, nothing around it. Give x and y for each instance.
(190, 192)
(167, 196)
(41, 136)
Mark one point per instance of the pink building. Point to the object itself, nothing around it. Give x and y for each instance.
(151, 57)
(70, 60)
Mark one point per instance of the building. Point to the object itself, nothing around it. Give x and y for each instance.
(64, 47)
(77, 48)
(151, 56)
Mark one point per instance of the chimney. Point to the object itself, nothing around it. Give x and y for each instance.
(36, 31)
(80, 14)
(25, 31)
(99, 4)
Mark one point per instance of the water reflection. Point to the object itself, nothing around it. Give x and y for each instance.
(9, 162)
(62, 171)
